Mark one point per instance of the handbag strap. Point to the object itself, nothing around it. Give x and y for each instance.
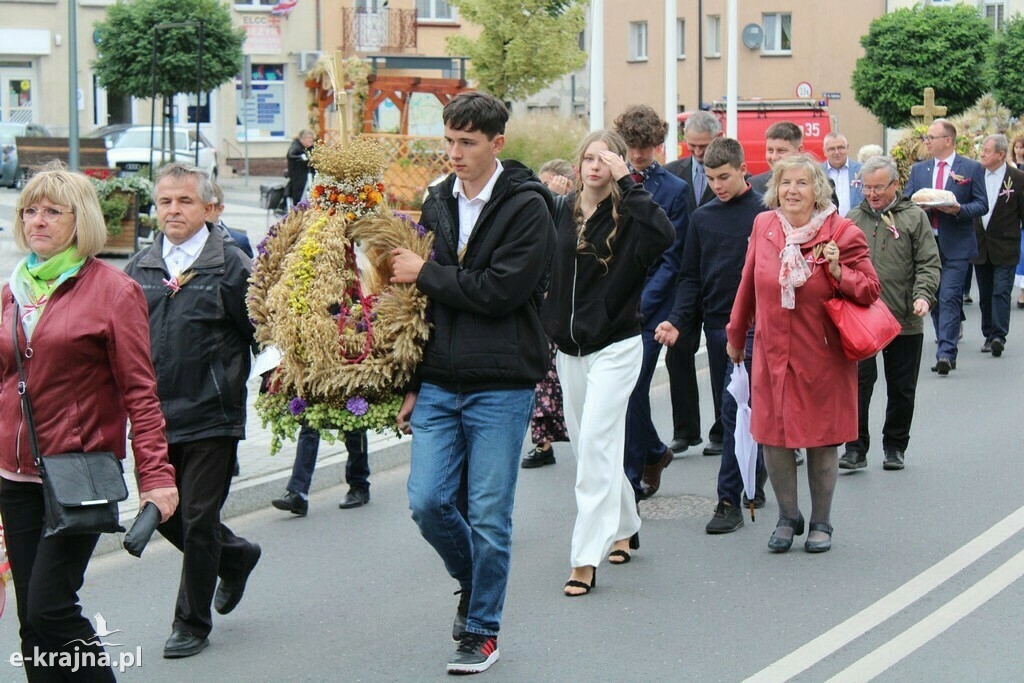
(828, 276)
(26, 404)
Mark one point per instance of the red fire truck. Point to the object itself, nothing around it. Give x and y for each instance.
(755, 116)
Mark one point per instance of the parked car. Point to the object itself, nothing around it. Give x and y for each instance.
(10, 174)
(132, 151)
(110, 134)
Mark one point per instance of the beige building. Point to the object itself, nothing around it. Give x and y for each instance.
(802, 42)
(34, 57)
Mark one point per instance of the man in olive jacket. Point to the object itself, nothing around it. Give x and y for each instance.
(195, 279)
(906, 258)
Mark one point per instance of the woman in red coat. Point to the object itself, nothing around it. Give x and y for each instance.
(803, 388)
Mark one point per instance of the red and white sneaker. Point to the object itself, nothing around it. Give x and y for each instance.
(475, 653)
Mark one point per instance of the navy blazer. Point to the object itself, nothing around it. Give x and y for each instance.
(956, 233)
(683, 169)
(670, 193)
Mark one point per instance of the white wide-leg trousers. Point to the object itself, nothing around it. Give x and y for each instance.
(595, 395)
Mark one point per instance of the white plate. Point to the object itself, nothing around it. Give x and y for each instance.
(935, 204)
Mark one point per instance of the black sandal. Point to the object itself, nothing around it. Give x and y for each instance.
(626, 557)
(579, 584)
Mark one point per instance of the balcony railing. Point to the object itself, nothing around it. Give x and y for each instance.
(385, 30)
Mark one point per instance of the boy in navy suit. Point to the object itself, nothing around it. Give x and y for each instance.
(953, 227)
(644, 132)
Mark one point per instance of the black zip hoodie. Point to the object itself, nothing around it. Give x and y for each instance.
(588, 306)
(487, 332)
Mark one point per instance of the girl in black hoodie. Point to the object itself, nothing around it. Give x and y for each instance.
(610, 232)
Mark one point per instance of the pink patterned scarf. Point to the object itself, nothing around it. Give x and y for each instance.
(795, 271)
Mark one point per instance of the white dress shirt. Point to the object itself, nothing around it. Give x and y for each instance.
(178, 257)
(470, 209)
(841, 177)
(946, 171)
(993, 185)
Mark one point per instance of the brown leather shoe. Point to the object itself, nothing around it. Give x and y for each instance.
(651, 478)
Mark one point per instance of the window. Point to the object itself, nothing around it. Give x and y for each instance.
(778, 33)
(680, 38)
(713, 36)
(995, 13)
(434, 10)
(258, 5)
(638, 41)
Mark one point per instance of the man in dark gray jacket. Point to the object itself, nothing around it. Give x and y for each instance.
(195, 283)
(906, 258)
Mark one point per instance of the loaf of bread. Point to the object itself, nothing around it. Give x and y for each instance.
(929, 196)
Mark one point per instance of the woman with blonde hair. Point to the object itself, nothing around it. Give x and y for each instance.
(803, 388)
(88, 370)
(610, 231)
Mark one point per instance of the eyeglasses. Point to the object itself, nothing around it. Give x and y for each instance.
(48, 214)
(879, 189)
(933, 138)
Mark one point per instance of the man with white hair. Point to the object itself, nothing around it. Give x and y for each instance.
(700, 129)
(998, 235)
(843, 172)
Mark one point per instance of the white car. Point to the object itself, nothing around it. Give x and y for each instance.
(131, 152)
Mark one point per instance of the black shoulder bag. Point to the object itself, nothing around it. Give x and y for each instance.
(80, 490)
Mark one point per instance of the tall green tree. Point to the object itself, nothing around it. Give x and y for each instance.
(1006, 54)
(523, 46)
(125, 44)
(910, 49)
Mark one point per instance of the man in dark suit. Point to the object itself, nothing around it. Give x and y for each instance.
(998, 235)
(781, 140)
(953, 226)
(237, 235)
(701, 128)
(644, 132)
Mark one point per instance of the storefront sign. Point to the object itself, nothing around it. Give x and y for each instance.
(262, 34)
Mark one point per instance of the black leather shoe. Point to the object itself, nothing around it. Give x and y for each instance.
(184, 644)
(819, 546)
(355, 498)
(997, 347)
(968, 299)
(680, 445)
(726, 519)
(229, 593)
(893, 460)
(853, 460)
(713, 448)
(943, 366)
(778, 544)
(293, 503)
(538, 457)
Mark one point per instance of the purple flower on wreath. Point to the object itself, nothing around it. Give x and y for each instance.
(360, 326)
(297, 406)
(357, 405)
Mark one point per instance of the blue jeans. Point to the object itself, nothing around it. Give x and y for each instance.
(730, 481)
(476, 437)
(995, 283)
(946, 316)
(643, 445)
(357, 468)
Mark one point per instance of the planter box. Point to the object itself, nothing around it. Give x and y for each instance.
(124, 243)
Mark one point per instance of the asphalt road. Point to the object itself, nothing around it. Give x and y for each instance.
(922, 583)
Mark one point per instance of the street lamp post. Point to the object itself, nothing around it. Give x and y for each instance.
(596, 64)
(73, 160)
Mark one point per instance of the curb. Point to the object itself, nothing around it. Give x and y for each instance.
(255, 494)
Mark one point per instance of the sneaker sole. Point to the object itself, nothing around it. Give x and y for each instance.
(997, 349)
(892, 466)
(844, 465)
(459, 669)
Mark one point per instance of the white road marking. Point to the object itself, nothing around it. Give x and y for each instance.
(824, 645)
(934, 624)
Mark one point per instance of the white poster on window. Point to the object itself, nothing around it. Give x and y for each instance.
(425, 115)
(262, 34)
(263, 113)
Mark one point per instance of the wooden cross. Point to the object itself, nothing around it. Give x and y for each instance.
(930, 110)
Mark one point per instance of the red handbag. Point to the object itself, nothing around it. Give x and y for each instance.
(863, 330)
